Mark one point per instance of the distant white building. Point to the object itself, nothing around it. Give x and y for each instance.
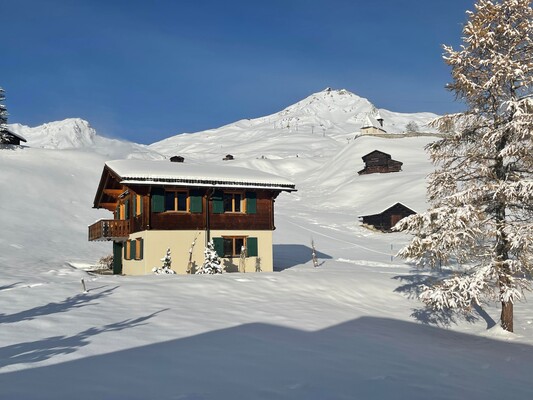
(373, 124)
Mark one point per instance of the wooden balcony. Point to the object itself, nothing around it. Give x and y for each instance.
(109, 229)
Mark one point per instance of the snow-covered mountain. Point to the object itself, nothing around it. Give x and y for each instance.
(317, 123)
(76, 133)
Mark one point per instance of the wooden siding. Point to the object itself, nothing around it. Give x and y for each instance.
(379, 162)
(260, 217)
(109, 229)
(387, 219)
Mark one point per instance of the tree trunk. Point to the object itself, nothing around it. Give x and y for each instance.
(507, 316)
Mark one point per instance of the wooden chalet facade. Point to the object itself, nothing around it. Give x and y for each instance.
(385, 220)
(8, 137)
(379, 162)
(159, 205)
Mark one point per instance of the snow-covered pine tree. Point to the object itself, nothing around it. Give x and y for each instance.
(165, 268)
(211, 263)
(481, 193)
(3, 115)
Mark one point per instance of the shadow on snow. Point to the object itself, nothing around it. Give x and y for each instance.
(78, 301)
(367, 358)
(289, 255)
(412, 286)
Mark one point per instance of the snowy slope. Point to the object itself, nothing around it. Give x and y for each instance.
(326, 119)
(348, 329)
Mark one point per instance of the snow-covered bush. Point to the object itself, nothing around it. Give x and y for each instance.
(165, 269)
(212, 264)
(106, 262)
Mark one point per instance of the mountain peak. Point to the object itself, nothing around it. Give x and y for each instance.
(66, 134)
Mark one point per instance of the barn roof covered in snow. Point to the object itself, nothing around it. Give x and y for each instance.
(164, 172)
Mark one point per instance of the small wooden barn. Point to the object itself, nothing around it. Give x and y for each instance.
(228, 157)
(378, 161)
(8, 137)
(386, 219)
(177, 159)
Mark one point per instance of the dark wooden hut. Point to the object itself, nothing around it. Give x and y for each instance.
(378, 161)
(228, 157)
(386, 219)
(177, 159)
(8, 137)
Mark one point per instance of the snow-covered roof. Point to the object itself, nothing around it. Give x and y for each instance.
(165, 172)
(370, 122)
(9, 132)
(378, 208)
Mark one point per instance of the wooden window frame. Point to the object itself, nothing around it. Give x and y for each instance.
(138, 249)
(233, 193)
(187, 204)
(138, 205)
(127, 253)
(235, 253)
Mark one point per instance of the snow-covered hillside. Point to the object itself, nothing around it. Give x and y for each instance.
(350, 328)
(318, 123)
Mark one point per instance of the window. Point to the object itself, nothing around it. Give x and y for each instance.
(233, 246)
(138, 248)
(137, 201)
(230, 246)
(233, 202)
(133, 249)
(127, 250)
(177, 201)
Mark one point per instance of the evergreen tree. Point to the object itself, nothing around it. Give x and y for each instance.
(167, 262)
(3, 115)
(481, 193)
(211, 263)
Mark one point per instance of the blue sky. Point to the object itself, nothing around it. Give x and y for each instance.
(146, 70)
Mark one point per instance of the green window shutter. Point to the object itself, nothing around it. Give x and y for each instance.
(132, 249)
(251, 246)
(125, 250)
(158, 199)
(141, 249)
(127, 209)
(251, 203)
(218, 203)
(195, 201)
(218, 243)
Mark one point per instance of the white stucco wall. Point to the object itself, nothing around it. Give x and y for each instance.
(156, 243)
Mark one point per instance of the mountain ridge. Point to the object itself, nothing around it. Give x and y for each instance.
(337, 114)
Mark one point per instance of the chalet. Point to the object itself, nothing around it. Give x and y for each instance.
(177, 159)
(387, 218)
(228, 157)
(8, 137)
(378, 161)
(159, 205)
(373, 125)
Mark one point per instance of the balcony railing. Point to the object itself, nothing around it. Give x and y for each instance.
(109, 229)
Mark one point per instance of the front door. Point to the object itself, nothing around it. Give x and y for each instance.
(394, 218)
(117, 258)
